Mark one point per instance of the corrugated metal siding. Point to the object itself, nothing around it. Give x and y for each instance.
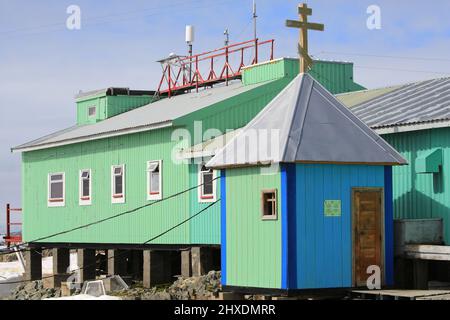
(121, 104)
(82, 110)
(235, 112)
(205, 228)
(253, 246)
(421, 196)
(324, 244)
(337, 77)
(133, 151)
(418, 102)
(272, 70)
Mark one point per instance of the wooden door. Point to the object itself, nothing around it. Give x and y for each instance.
(367, 233)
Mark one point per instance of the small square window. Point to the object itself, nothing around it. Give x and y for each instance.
(56, 190)
(92, 111)
(269, 204)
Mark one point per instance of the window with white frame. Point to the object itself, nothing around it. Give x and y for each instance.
(154, 180)
(118, 184)
(56, 189)
(207, 185)
(85, 187)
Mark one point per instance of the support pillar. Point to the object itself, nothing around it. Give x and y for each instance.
(204, 259)
(160, 267)
(61, 264)
(186, 264)
(117, 262)
(33, 264)
(87, 264)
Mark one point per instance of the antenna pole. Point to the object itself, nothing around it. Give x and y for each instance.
(227, 37)
(255, 34)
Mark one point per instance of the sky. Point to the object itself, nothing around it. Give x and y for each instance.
(43, 64)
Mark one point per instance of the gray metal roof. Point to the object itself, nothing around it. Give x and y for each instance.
(415, 103)
(156, 115)
(305, 123)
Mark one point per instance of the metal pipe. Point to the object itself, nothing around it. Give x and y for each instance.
(8, 222)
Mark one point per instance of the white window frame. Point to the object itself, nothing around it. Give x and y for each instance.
(159, 195)
(85, 201)
(56, 202)
(115, 198)
(95, 112)
(201, 197)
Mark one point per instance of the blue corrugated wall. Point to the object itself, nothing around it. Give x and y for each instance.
(320, 248)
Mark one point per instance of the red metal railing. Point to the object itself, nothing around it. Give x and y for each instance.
(10, 238)
(185, 73)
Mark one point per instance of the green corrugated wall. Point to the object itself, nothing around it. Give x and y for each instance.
(205, 228)
(423, 195)
(108, 106)
(337, 77)
(132, 150)
(253, 245)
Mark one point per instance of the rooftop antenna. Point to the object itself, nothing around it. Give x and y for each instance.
(189, 40)
(255, 17)
(227, 37)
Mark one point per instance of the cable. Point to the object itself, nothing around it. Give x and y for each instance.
(385, 56)
(106, 219)
(88, 21)
(403, 70)
(146, 242)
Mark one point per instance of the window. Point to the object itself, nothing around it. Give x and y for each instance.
(85, 187)
(269, 204)
(92, 111)
(118, 184)
(207, 189)
(154, 175)
(56, 192)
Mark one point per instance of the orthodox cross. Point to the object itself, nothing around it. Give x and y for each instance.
(303, 24)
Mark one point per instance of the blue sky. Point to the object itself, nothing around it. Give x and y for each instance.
(43, 64)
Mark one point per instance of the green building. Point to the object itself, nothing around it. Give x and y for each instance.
(115, 180)
(414, 118)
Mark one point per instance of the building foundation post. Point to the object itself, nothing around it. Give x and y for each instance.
(33, 264)
(186, 264)
(204, 259)
(117, 262)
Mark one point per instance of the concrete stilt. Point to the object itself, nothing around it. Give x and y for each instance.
(204, 259)
(186, 264)
(87, 264)
(33, 264)
(117, 262)
(160, 267)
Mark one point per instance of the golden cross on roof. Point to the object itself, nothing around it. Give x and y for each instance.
(303, 11)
